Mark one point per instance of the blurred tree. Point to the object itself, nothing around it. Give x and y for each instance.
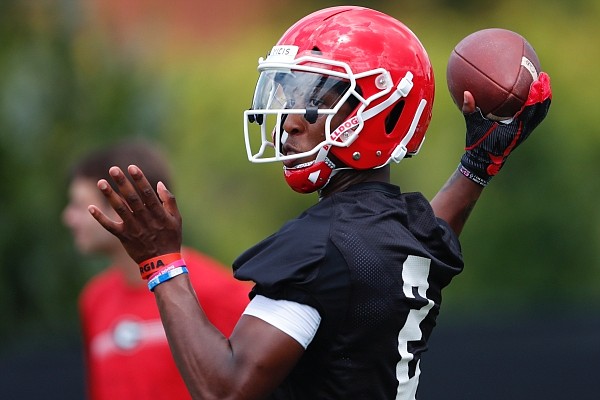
(60, 94)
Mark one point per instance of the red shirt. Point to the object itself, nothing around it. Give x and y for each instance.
(127, 354)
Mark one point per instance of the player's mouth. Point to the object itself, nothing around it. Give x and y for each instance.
(289, 150)
(299, 166)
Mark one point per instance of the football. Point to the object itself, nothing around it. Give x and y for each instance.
(497, 66)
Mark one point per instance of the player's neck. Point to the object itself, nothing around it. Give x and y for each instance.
(346, 178)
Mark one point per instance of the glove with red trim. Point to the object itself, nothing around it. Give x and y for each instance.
(489, 143)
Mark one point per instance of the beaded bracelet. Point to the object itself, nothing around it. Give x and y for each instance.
(165, 275)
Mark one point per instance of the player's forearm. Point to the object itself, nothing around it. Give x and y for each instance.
(455, 201)
(202, 354)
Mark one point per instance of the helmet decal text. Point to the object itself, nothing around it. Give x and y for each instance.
(282, 53)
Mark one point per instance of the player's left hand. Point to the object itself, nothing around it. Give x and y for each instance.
(489, 143)
(149, 226)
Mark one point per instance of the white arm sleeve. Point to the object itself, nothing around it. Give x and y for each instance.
(297, 320)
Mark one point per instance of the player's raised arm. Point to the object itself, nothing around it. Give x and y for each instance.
(503, 97)
(488, 145)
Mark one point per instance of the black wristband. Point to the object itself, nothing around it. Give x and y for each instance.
(477, 179)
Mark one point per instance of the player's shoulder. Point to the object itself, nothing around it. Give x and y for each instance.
(300, 244)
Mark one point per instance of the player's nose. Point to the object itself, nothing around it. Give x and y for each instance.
(293, 124)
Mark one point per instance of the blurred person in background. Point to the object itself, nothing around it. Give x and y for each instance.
(126, 351)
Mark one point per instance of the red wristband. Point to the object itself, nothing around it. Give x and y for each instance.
(155, 264)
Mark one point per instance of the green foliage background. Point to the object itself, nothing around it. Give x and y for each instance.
(65, 87)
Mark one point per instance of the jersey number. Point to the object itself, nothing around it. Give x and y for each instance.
(415, 272)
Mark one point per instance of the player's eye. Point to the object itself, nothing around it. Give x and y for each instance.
(315, 103)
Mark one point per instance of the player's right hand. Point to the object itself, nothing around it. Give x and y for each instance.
(489, 143)
(149, 226)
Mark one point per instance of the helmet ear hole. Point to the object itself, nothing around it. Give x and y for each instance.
(393, 117)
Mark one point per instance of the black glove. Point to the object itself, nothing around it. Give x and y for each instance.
(489, 143)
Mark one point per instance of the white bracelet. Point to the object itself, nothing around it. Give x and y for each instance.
(165, 276)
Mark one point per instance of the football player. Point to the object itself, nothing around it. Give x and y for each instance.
(346, 295)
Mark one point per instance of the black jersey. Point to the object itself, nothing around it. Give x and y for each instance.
(373, 262)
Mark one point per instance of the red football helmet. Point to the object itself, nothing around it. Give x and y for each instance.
(366, 58)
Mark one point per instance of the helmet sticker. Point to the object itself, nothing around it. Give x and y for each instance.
(282, 53)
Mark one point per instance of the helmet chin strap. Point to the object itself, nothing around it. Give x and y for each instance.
(313, 175)
(322, 155)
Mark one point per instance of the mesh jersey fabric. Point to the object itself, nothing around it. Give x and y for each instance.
(348, 256)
